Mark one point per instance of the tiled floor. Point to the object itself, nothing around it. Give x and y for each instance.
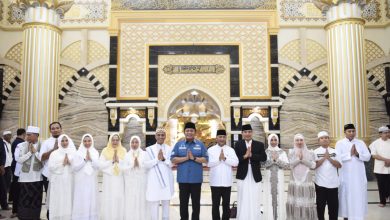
(374, 212)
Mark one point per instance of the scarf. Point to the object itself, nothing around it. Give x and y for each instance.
(300, 171)
(93, 153)
(270, 148)
(68, 150)
(109, 151)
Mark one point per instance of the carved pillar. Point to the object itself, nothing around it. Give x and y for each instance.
(41, 53)
(346, 64)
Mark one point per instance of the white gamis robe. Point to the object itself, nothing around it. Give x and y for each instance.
(353, 180)
(112, 197)
(86, 194)
(61, 185)
(159, 175)
(136, 206)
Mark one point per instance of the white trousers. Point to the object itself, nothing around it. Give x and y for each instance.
(155, 209)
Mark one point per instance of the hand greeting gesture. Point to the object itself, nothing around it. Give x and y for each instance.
(161, 155)
(222, 156)
(88, 157)
(136, 163)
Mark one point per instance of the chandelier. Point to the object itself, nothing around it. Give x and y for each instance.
(193, 105)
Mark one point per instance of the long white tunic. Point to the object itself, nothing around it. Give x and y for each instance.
(248, 196)
(85, 199)
(136, 206)
(159, 174)
(61, 183)
(112, 197)
(353, 180)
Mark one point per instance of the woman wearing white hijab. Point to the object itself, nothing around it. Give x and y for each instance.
(112, 200)
(273, 183)
(301, 204)
(61, 179)
(85, 166)
(136, 206)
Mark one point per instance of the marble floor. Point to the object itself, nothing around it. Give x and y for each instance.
(374, 212)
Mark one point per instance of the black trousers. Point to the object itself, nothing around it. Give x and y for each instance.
(216, 194)
(3, 192)
(185, 191)
(8, 177)
(327, 196)
(45, 182)
(15, 189)
(383, 181)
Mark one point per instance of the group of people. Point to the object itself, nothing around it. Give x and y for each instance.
(134, 181)
(137, 181)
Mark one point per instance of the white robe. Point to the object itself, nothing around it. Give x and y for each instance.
(269, 182)
(61, 183)
(159, 174)
(112, 197)
(85, 197)
(353, 180)
(248, 198)
(136, 206)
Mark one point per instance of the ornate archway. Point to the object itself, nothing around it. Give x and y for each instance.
(198, 107)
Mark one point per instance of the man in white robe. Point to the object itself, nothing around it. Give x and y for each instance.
(48, 146)
(159, 177)
(380, 151)
(353, 181)
(30, 179)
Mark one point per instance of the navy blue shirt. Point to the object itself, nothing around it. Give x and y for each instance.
(189, 171)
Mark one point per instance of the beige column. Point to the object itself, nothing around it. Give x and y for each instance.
(346, 64)
(41, 51)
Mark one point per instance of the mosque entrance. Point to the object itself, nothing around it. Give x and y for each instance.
(199, 108)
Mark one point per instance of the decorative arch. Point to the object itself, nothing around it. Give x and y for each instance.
(304, 72)
(83, 72)
(11, 83)
(15, 53)
(124, 121)
(372, 51)
(198, 88)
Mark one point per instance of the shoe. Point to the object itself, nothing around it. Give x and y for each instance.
(381, 205)
(14, 215)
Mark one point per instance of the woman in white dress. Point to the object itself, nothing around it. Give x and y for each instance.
(301, 203)
(61, 179)
(112, 200)
(136, 206)
(273, 183)
(85, 166)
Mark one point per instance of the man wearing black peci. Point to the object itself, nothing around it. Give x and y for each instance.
(250, 153)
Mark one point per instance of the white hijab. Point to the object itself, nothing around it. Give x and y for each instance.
(270, 148)
(82, 151)
(68, 150)
(135, 153)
